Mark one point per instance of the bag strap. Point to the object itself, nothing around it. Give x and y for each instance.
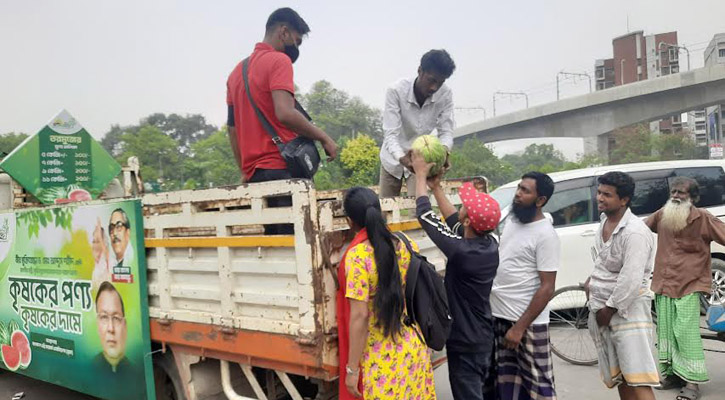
(412, 277)
(265, 123)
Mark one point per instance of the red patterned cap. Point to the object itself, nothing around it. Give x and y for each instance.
(482, 209)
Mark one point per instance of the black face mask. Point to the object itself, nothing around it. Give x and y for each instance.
(524, 214)
(292, 51)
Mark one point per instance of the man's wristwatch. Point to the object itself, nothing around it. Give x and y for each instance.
(351, 371)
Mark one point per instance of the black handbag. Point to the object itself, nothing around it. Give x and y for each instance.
(300, 153)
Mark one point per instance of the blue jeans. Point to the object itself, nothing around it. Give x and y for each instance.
(467, 373)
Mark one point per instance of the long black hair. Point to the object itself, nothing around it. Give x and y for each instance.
(362, 206)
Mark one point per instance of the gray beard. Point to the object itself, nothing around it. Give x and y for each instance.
(674, 215)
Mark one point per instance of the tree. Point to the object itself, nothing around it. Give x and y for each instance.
(186, 130)
(339, 115)
(360, 157)
(475, 158)
(536, 157)
(214, 162)
(9, 141)
(157, 153)
(675, 146)
(632, 144)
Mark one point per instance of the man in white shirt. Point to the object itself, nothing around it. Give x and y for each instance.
(620, 319)
(415, 107)
(528, 261)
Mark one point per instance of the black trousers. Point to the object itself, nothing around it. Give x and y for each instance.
(467, 373)
(266, 175)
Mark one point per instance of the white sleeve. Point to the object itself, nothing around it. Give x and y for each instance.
(392, 124)
(445, 123)
(548, 253)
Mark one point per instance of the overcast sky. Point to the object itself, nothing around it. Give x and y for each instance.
(116, 62)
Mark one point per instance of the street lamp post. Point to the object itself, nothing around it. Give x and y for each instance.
(572, 74)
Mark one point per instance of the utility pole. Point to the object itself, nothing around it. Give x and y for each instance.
(574, 75)
(509, 94)
(678, 47)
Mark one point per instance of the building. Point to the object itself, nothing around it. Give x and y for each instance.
(715, 115)
(637, 57)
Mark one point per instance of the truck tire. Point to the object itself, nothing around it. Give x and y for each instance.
(166, 376)
(717, 297)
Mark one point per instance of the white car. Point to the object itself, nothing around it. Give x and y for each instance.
(573, 209)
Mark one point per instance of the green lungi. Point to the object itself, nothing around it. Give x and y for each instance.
(679, 345)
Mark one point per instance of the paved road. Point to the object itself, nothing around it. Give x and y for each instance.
(573, 383)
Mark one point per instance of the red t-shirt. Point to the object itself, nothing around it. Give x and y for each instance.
(268, 70)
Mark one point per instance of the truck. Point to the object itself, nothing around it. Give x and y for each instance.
(234, 313)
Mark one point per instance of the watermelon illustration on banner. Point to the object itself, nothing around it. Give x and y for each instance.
(61, 163)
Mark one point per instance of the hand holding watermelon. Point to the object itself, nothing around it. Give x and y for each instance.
(433, 152)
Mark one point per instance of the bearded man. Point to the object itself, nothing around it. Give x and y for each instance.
(681, 273)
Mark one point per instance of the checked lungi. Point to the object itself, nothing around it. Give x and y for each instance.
(625, 346)
(524, 373)
(679, 343)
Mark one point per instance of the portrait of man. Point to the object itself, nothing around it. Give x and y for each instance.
(112, 330)
(119, 231)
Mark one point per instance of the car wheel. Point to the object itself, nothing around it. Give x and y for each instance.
(717, 296)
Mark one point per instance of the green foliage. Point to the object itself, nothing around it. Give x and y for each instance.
(61, 217)
(475, 158)
(213, 161)
(9, 141)
(158, 154)
(360, 158)
(632, 144)
(339, 115)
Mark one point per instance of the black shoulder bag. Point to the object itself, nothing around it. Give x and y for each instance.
(300, 153)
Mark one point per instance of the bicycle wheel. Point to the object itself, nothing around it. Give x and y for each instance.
(568, 330)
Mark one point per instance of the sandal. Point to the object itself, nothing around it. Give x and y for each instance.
(671, 382)
(688, 394)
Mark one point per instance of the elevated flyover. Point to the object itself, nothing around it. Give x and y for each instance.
(603, 111)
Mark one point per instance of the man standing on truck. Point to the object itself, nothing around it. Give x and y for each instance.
(272, 87)
(682, 272)
(472, 252)
(415, 107)
(620, 319)
(529, 259)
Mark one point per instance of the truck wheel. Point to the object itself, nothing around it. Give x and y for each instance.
(166, 376)
(717, 297)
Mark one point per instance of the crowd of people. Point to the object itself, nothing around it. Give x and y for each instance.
(498, 288)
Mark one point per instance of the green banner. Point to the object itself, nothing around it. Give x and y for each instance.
(73, 298)
(62, 163)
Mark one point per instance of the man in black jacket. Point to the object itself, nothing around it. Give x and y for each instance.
(472, 253)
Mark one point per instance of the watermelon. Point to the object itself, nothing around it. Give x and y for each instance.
(433, 151)
(11, 357)
(79, 195)
(20, 342)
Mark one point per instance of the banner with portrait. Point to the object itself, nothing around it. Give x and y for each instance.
(73, 298)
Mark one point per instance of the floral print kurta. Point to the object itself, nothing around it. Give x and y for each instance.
(399, 369)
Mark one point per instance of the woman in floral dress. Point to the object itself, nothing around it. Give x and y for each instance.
(384, 352)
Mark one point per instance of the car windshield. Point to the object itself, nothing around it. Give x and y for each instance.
(504, 196)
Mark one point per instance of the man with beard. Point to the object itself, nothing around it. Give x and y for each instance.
(682, 272)
(529, 258)
(620, 319)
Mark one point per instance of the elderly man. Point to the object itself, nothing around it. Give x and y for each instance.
(682, 272)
